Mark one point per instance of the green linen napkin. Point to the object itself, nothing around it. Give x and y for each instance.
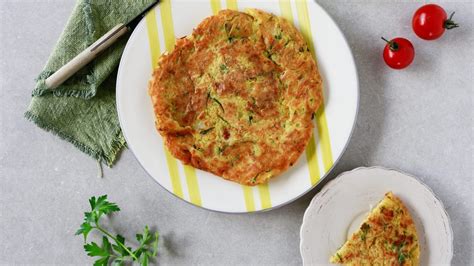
(82, 110)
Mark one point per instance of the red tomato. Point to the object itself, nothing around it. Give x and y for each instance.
(430, 21)
(398, 53)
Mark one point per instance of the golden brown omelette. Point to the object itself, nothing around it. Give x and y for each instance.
(387, 237)
(237, 97)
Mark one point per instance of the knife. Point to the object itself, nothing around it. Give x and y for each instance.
(91, 52)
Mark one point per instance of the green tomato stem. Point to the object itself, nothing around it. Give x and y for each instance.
(393, 46)
(118, 242)
(449, 23)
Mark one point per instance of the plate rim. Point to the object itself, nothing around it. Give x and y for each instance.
(338, 179)
(320, 181)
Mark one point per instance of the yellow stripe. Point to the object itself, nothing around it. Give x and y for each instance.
(265, 196)
(323, 133)
(168, 31)
(231, 4)
(167, 23)
(312, 160)
(215, 6)
(321, 122)
(248, 196)
(155, 53)
(193, 186)
(153, 37)
(173, 169)
(285, 9)
(305, 25)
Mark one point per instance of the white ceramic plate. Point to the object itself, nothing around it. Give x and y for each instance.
(157, 32)
(338, 210)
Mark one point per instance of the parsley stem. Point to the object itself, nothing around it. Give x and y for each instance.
(116, 241)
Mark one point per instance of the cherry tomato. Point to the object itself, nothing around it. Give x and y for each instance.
(430, 21)
(398, 53)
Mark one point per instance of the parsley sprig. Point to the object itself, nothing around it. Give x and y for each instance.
(119, 252)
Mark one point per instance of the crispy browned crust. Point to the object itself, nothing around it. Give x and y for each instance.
(236, 98)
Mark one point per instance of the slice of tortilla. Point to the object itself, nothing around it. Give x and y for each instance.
(386, 237)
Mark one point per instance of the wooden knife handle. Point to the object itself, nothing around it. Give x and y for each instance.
(85, 56)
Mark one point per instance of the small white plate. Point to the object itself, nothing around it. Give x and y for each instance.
(337, 211)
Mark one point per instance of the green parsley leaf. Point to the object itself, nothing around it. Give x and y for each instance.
(94, 250)
(148, 245)
(119, 248)
(84, 230)
(102, 261)
(102, 206)
(144, 260)
(117, 253)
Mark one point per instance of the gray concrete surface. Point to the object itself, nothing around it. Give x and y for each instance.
(419, 120)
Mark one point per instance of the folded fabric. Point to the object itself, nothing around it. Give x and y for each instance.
(82, 110)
